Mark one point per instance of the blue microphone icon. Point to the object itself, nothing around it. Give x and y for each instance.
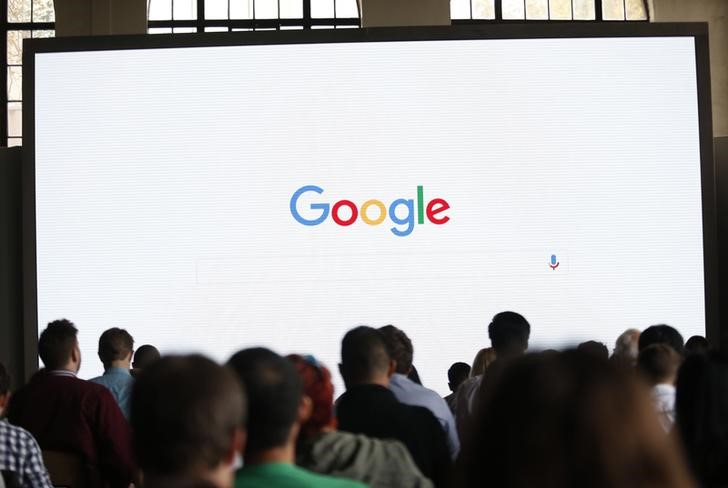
(554, 262)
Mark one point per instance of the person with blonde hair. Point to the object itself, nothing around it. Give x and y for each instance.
(626, 348)
(482, 361)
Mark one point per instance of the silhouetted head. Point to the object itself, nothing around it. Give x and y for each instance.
(144, 356)
(509, 333)
(399, 347)
(659, 363)
(457, 373)
(115, 345)
(187, 418)
(596, 349)
(701, 408)
(364, 357)
(275, 393)
(568, 420)
(58, 346)
(662, 334)
(697, 345)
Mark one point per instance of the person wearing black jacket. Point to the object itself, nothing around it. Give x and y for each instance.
(368, 407)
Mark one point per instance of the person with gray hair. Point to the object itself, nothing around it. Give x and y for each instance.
(626, 348)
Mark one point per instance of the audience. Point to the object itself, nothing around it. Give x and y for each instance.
(323, 449)
(457, 373)
(277, 408)
(400, 350)
(71, 415)
(21, 463)
(568, 420)
(369, 407)
(659, 364)
(626, 348)
(697, 345)
(701, 406)
(483, 359)
(143, 357)
(596, 349)
(662, 334)
(509, 333)
(116, 347)
(552, 419)
(187, 415)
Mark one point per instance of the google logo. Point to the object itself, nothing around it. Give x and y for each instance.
(401, 211)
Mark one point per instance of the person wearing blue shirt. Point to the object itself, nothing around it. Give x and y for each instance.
(116, 347)
(408, 392)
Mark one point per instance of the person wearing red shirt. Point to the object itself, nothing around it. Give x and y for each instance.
(65, 413)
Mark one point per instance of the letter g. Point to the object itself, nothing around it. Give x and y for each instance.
(324, 207)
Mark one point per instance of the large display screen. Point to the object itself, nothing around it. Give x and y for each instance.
(215, 198)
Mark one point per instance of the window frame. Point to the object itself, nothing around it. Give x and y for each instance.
(306, 22)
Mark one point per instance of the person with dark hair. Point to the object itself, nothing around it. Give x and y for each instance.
(21, 462)
(144, 357)
(509, 333)
(188, 416)
(65, 413)
(697, 345)
(701, 407)
(658, 364)
(369, 407)
(457, 373)
(116, 347)
(597, 349)
(414, 375)
(662, 334)
(568, 420)
(324, 449)
(277, 407)
(400, 349)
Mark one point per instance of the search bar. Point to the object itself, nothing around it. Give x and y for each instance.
(271, 268)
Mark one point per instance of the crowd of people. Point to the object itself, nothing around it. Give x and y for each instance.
(654, 413)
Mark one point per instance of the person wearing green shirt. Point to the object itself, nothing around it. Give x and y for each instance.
(277, 407)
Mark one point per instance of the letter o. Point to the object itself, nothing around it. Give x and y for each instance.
(382, 212)
(335, 212)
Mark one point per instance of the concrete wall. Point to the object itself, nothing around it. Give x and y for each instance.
(715, 12)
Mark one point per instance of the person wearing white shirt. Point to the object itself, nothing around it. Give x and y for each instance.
(408, 392)
(659, 364)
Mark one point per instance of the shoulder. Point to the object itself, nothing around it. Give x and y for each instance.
(288, 476)
(422, 416)
(323, 481)
(10, 431)
(93, 387)
(20, 440)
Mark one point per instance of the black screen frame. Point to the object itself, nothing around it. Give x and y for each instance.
(530, 30)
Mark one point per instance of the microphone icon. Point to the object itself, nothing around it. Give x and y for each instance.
(554, 262)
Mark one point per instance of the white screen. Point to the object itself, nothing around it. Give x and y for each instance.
(164, 179)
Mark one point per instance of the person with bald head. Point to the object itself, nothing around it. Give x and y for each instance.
(369, 407)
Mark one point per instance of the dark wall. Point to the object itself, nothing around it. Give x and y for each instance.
(721, 163)
(11, 324)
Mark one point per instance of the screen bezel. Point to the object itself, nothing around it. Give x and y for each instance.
(531, 30)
